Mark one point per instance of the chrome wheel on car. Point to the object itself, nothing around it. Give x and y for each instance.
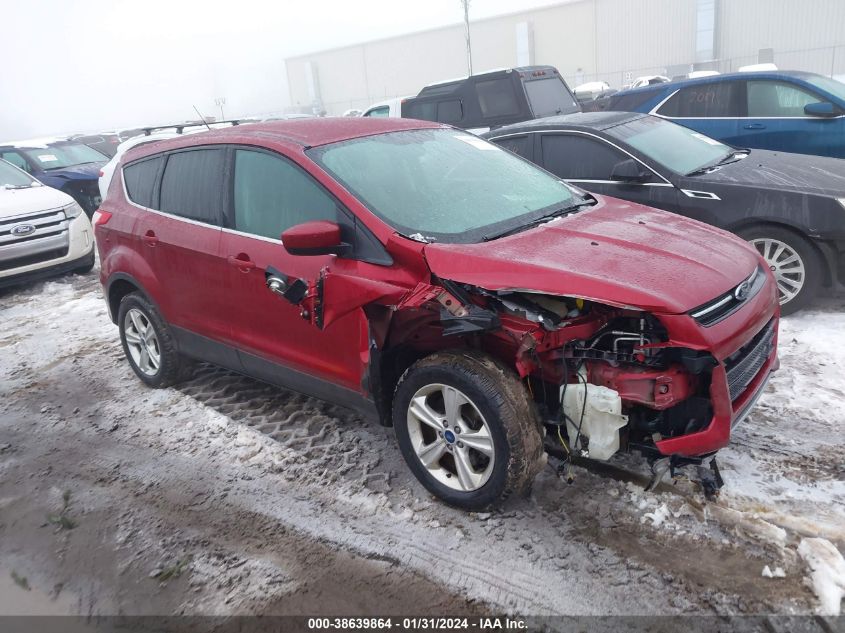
(786, 265)
(142, 342)
(450, 437)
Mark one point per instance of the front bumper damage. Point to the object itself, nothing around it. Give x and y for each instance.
(671, 374)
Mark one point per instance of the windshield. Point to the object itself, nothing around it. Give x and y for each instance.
(65, 155)
(832, 86)
(550, 96)
(443, 184)
(11, 176)
(677, 148)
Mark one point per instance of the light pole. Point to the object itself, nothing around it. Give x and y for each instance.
(220, 102)
(465, 4)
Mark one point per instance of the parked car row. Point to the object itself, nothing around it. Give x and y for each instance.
(42, 231)
(791, 208)
(68, 166)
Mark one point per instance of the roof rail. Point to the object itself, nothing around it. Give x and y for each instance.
(181, 126)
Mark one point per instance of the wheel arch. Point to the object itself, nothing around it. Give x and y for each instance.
(119, 285)
(824, 257)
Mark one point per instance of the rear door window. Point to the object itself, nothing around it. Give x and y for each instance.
(778, 99)
(272, 194)
(496, 97)
(520, 145)
(192, 185)
(722, 99)
(140, 180)
(574, 157)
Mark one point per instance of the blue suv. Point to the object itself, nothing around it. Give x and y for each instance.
(64, 165)
(793, 111)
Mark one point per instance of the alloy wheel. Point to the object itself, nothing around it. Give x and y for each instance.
(786, 265)
(142, 342)
(451, 437)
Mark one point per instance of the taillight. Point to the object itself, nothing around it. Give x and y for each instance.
(100, 217)
(101, 173)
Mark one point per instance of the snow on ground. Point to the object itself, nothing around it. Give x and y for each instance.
(225, 495)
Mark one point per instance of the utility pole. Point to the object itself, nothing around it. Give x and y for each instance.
(220, 102)
(465, 4)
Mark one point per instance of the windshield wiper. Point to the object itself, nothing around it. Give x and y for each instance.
(728, 158)
(573, 208)
(15, 186)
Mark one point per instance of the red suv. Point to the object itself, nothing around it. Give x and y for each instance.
(424, 276)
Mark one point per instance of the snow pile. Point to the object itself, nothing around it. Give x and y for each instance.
(777, 573)
(827, 573)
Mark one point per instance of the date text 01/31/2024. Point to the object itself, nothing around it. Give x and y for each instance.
(418, 624)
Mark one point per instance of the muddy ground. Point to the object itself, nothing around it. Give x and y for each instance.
(226, 496)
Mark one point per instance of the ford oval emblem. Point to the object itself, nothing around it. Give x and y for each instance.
(742, 290)
(21, 230)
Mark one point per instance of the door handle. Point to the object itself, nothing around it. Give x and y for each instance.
(754, 126)
(241, 262)
(150, 238)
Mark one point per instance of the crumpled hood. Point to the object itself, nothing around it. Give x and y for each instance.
(784, 172)
(617, 252)
(32, 200)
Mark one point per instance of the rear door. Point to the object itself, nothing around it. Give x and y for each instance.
(776, 120)
(271, 193)
(587, 161)
(713, 108)
(181, 239)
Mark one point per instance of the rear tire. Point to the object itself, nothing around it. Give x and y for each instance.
(793, 260)
(468, 429)
(148, 343)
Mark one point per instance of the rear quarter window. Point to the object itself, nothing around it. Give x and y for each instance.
(140, 179)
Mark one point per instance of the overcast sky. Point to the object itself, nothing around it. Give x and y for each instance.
(86, 65)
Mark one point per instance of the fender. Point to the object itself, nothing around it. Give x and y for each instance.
(123, 258)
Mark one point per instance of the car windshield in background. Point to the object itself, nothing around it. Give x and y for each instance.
(550, 96)
(12, 177)
(675, 147)
(66, 155)
(443, 184)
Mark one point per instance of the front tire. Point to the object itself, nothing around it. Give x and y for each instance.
(793, 261)
(467, 429)
(148, 343)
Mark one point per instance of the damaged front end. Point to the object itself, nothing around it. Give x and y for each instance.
(605, 378)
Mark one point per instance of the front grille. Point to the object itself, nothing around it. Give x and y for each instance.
(37, 258)
(726, 304)
(47, 238)
(743, 365)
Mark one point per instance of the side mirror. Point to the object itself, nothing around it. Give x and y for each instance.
(319, 237)
(629, 171)
(822, 109)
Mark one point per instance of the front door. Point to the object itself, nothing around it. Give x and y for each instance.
(777, 121)
(588, 161)
(270, 194)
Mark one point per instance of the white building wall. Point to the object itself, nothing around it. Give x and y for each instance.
(587, 40)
